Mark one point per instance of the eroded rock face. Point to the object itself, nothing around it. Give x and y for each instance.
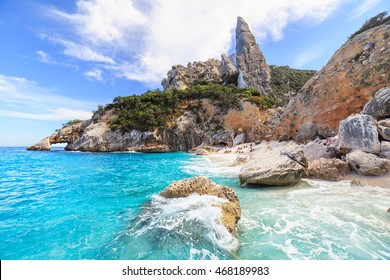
(252, 67)
(328, 169)
(198, 72)
(43, 145)
(223, 138)
(379, 106)
(246, 68)
(269, 167)
(359, 132)
(367, 164)
(231, 211)
(342, 87)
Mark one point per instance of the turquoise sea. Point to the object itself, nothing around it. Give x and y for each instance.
(71, 205)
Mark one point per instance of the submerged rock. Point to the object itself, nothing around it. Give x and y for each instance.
(368, 164)
(270, 167)
(328, 169)
(231, 211)
(359, 132)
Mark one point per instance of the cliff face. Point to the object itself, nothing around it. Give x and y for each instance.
(342, 87)
(200, 121)
(253, 71)
(246, 68)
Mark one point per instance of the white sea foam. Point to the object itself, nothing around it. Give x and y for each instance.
(212, 167)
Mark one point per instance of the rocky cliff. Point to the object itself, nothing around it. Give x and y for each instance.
(193, 122)
(342, 87)
(181, 119)
(246, 68)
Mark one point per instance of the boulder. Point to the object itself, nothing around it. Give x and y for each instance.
(43, 145)
(385, 150)
(384, 129)
(223, 138)
(367, 164)
(359, 132)
(201, 152)
(296, 154)
(231, 211)
(328, 169)
(320, 149)
(239, 139)
(253, 70)
(306, 132)
(268, 167)
(379, 106)
(241, 159)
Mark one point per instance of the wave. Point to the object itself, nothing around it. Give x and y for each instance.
(177, 228)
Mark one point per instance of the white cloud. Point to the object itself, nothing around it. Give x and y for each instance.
(94, 74)
(21, 98)
(142, 39)
(364, 7)
(45, 57)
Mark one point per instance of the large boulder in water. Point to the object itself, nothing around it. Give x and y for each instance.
(368, 164)
(359, 132)
(379, 106)
(273, 167)
(231, 211)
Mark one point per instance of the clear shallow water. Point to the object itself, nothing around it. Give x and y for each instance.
(64, 205)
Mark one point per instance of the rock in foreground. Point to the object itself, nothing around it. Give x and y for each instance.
(231, 211)
(271, 167)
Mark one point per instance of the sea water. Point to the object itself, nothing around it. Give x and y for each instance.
(71, 205)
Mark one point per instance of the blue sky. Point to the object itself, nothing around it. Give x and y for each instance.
(60, 59)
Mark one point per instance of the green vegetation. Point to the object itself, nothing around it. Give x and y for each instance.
(285, 79)
(157, 108)
(69, 123)
(375, 21)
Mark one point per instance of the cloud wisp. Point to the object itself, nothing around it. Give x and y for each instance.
(141, 39)
(21, 98)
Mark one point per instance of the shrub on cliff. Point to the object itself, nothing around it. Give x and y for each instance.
(375, 21)
(156, 108)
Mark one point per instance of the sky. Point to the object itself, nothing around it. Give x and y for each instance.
(60, 59)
